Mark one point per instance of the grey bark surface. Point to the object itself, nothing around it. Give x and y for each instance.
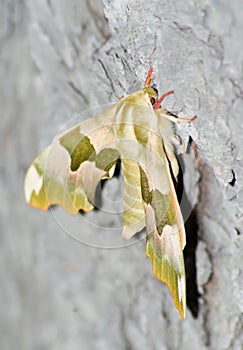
(97, 291)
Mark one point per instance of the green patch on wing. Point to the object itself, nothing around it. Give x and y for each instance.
(146, 193)
(79, 147)
(106, 158)
(164, 210)
(141, 134)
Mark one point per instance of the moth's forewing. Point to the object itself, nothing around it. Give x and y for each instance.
(68, 171)
(165, 241)
(164, 222)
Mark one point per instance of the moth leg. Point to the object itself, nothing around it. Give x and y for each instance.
(186, 120)
(176, 119)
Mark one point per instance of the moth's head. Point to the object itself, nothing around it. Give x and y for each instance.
(152, 93)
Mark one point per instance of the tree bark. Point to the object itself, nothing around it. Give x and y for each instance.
(66, 282)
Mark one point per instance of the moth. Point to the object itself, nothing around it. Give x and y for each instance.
(138, 131)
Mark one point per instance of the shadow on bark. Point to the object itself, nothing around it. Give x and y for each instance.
(191, 227)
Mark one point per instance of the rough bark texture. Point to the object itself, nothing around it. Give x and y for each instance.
(59, 58)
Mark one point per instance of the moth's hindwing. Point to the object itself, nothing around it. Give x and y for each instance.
(133, 212)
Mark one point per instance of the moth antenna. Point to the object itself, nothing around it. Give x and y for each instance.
(149, 77)
(170, 116)
(159, 101)
(150, 71)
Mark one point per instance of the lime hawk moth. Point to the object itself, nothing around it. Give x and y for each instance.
(138, 131)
